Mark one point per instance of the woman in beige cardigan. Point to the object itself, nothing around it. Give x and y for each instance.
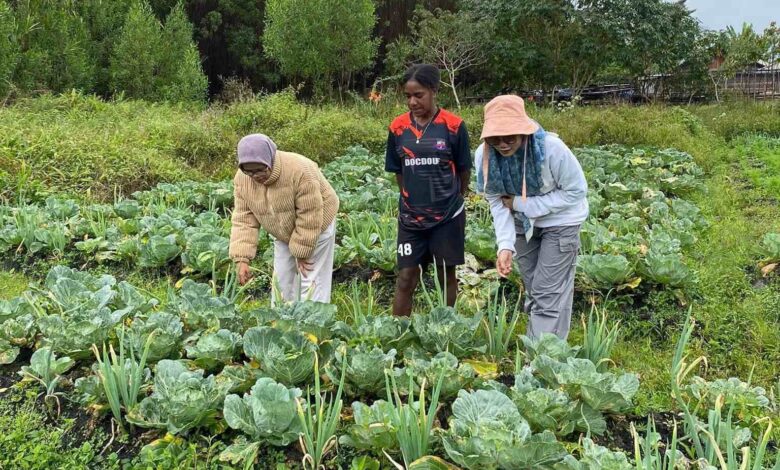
(287, 195)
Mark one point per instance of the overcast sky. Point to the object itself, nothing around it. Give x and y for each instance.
(718, 14)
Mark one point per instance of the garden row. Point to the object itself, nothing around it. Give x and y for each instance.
(435, 388)
(639, 234)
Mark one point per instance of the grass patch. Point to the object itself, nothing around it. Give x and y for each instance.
(12, 284)
(739, 312)
(761, 162)
(84, 146)
(27, 442)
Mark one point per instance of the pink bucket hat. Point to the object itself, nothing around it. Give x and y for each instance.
(505, 115)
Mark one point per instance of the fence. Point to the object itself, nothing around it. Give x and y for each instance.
(763, 83)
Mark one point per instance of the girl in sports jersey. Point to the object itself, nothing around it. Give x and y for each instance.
(428, 150)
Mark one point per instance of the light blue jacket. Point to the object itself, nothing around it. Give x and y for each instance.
(564, 200)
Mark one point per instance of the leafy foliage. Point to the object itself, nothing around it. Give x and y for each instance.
(167, 331)
(293, 37)
(605, 270)
(365, 368)
(153, 62)
(181, 399)
(314, 318)
(215, 349)
(287, 357)
(17, 328)
(200, 309)
(487, 431)
(377, 330)
(444, 329)
(83, 309)
(268, 414)
(373, 429)
(771, 245)
(581, 379)
(443, 366)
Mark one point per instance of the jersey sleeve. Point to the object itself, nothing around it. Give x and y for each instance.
(392, 159)
(462, 150)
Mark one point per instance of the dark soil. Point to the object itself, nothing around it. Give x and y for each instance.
(9, 374)
(506, 379)
(618, 435)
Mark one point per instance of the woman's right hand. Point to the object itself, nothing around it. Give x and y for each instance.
(504, 263)
(244, 274)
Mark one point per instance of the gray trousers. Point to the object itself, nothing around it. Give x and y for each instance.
(547, 263)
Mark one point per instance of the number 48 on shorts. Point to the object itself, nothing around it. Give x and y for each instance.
(404, 249)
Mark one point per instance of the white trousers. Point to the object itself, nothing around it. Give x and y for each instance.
(316, 285)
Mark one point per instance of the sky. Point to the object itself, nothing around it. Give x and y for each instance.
(718, 14)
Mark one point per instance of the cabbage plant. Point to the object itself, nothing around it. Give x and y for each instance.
(444, 329)
(268, 414)
(373, 429)
(167, 330)
(605, 271)
(287, 357)
(486, 431)
(214, 349)
(17, 328)
(182, 400)
(364, 368)
(580, 378)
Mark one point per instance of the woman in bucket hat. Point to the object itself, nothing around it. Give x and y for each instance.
(287, 195)
(537, 194)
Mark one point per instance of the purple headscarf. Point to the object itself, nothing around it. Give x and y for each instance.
(257, 148)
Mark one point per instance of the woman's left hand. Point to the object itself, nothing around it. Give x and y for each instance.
(504, 263)
(513, 203)
(304, 266)
(508, 202)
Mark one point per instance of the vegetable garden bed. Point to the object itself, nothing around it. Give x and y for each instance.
(327, 385)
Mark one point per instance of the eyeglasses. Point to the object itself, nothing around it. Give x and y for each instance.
(262, 171)
(507, 139)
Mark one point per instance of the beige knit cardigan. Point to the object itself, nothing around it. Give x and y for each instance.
(295, 205)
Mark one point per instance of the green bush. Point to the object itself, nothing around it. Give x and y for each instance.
(54, 44)
(266, 115)
(317, 132)
(156, 62)
(328, 132)
(9, 48)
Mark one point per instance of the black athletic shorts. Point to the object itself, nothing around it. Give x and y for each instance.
(444, 243)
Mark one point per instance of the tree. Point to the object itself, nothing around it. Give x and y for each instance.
(104, 20)
(230, 35)
(772, 41)
(452, 40)
(9, 48)
(134, 58)
(656, 37)
(737, 51)
(53, 47)
(548, 43)
(180, 73)
(320, 40)
(693, 76)
(153, 62)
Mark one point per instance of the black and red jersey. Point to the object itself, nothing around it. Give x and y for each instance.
(430, 160)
